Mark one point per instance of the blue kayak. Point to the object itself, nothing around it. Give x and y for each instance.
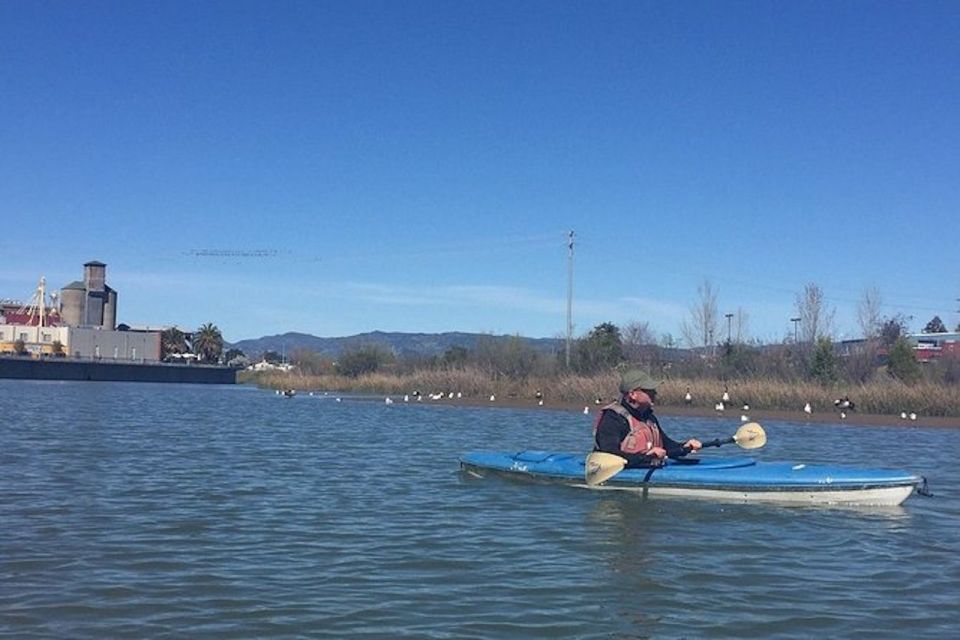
(729, 479)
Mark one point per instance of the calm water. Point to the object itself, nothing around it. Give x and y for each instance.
(168, 511)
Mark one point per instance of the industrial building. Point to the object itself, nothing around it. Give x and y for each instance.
(81, 322)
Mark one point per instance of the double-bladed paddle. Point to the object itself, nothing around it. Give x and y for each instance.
(601, 466)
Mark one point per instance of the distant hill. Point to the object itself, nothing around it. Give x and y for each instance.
(401, 344)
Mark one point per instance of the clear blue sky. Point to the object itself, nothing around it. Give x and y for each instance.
(341, 167)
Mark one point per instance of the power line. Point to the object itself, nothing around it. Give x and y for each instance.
(232, 253)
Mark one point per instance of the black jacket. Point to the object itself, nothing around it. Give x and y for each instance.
(613, 428)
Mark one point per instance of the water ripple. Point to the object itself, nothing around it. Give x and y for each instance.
(170, 511)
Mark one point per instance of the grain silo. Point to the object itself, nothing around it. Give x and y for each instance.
(89, 303)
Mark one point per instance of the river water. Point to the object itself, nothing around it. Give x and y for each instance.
(179, 511)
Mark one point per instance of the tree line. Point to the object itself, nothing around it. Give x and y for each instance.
(708, 349)
(608, 346)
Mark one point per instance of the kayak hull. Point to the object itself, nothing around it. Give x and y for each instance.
(721, 479)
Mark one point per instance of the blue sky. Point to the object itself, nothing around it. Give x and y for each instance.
(341, 167)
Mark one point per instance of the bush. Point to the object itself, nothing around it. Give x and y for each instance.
(902, 363)
(823, 363)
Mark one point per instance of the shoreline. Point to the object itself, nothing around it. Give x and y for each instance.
(663, 411)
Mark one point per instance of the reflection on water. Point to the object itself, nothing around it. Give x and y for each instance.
(180, 511)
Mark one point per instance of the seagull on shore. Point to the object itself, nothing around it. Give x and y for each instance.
(806, 409)
(687, 398)
(586, 411)
(719, 407)
(726, 394)
(492, 397)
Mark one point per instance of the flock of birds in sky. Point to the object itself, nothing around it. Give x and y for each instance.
(843, 405)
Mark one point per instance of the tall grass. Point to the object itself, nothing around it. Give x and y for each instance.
(881, 396)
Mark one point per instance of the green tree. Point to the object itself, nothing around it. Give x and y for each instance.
(824, 361)
(208, 343)
(602, 348)
(57, 349)
(935, 326)
(172, 340)
(902, 363)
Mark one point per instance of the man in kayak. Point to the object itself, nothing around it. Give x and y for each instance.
(629, 429)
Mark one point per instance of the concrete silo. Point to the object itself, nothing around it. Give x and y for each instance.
(90, 303)
(72, 299)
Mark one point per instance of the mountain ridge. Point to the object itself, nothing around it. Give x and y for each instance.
(398, 342)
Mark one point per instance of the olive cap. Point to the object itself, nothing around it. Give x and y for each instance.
(637, 379)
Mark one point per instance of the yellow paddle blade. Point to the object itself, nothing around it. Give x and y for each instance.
(601, 466)
(750, 436)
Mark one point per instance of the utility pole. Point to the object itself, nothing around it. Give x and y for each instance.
(569, 295)
(729, 317)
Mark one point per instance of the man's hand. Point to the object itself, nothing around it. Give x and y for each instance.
(693, 444)
(657, 452)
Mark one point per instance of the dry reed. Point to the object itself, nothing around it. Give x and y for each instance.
(882, 396)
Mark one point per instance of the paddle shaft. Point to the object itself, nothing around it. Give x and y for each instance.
(719, 442)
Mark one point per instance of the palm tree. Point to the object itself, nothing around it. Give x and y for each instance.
(208, 343)
(172, 340)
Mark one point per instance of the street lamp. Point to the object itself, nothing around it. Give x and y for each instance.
(729, 317)
(796, 323)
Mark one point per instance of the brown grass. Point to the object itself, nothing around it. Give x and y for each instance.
(882, 397)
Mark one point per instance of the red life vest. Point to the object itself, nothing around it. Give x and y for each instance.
(643, 435)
